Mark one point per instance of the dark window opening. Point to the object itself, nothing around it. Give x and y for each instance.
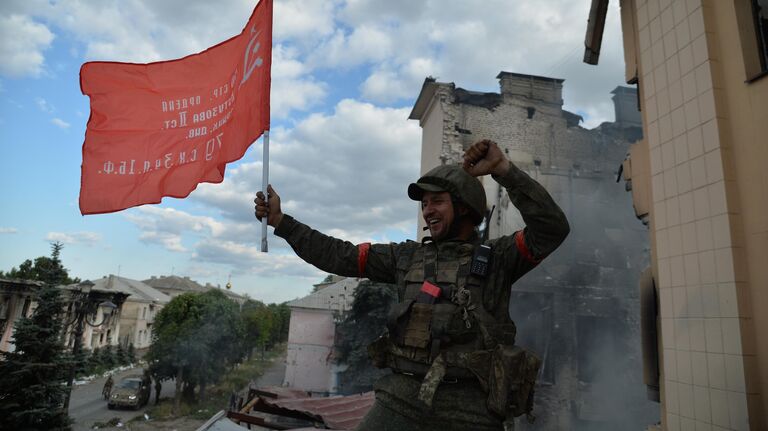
(531, 111)
(598, 348)
(760, 13)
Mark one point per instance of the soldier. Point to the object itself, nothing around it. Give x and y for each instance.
(107, 389)
(449, 340)
(158, 389)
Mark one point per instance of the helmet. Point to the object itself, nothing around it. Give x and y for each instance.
(456, 181)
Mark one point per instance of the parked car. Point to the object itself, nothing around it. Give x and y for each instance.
(132, 391)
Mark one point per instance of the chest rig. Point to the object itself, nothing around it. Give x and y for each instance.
(455, 320)
(454, 336)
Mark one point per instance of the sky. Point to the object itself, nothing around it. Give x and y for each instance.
(345, 75)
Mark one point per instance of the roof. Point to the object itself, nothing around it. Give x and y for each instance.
(139, 291)
(175, 282)
(219, 422)
(338, 413)
(20, 283)
(504, 74)
(477, 98)
(425, 97)
(337, 296)
(624, 90)
(186, 284)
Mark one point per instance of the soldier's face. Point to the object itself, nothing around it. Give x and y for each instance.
(437, 210)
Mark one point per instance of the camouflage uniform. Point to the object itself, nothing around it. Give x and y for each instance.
(459, 399)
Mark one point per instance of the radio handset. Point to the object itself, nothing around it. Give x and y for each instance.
(481, 260)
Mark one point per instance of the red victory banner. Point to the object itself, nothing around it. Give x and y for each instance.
(160, 129)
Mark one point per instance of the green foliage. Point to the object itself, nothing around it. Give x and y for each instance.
(362, 325)
(108, 358)
(249, 370)
(82, 363)
(265, 325)
(103, 359)
(121, 355)
(130, 353)
(94, 360)
(200, 334)
(46, 269)
(32, 377)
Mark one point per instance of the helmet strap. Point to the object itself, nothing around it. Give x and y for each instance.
(453, 230)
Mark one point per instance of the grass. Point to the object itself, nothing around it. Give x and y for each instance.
(217, 396)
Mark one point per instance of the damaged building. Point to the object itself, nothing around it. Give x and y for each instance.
(579, 310)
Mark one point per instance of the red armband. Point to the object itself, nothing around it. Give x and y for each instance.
(362, 257)
(520, 243)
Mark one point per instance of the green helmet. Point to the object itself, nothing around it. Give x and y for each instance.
(456, 181)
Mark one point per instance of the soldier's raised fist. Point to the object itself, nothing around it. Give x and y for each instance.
(485, 157)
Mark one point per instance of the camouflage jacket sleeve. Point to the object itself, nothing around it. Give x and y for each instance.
(338, 256)
(545, 224)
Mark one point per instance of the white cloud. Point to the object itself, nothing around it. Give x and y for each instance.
(469, 42)
(385, 86)
(85, 238)
(249, 260)
(293, 88)
(165, 226)
(169, 241)
(22, 42)
(8, 230)
(60, 123)
(367, 43)
(304, 21)
(348, 170)
(44, 106)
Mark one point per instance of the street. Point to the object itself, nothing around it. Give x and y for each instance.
(87, 406)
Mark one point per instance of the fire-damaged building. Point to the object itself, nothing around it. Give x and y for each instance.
(579, 310)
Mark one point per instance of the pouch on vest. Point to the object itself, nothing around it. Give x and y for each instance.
(377, 351)
(397, 319)
(417, 330)
(511, 380)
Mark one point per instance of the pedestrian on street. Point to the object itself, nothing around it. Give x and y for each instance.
(158, 388)
(107, 387)
(450, 341)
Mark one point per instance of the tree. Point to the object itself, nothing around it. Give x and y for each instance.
(32, 377)
(108, 358)
(197, 336)
(362, 325)
(131, 353)
(82, 362)
(282, 322)
(257, 329)
(121, 356)
(265, 325)
(49, 270)
(94, 360)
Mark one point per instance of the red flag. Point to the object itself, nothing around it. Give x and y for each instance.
(160, 129)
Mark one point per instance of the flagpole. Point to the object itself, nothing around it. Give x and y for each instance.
(264, 185)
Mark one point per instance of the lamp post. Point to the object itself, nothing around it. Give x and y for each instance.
(84, 303)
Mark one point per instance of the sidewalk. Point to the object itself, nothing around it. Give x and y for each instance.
(275, 374)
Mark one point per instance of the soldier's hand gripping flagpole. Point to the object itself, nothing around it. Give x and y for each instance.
(264, 185)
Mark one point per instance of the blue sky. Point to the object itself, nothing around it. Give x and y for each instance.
(345, 76)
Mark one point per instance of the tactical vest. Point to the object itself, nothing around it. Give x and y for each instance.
(455, 337)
